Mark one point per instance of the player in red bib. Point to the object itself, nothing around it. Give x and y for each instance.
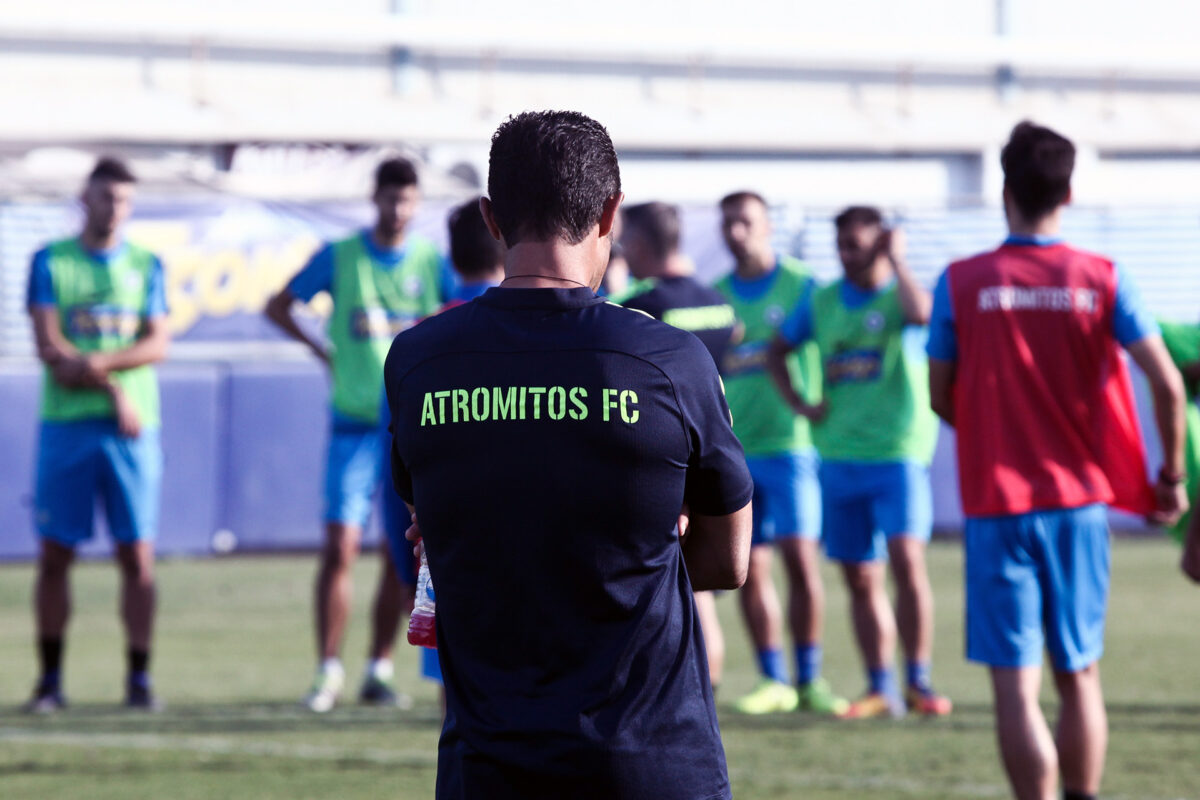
(1025, 362)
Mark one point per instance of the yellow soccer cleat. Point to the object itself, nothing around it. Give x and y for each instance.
(769, 697)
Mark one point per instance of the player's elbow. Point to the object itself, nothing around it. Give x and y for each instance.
(278, 307)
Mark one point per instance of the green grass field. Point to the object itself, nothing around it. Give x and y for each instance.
(234, 656)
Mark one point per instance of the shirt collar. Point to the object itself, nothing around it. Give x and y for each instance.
(549, 299)
(1035, 240)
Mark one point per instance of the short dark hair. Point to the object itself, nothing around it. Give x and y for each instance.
(741, 196)
(549, 175)
(1037, 164)
(395, 172)
(858, 215)
(111, 169)
(473, 251)
(658, 222)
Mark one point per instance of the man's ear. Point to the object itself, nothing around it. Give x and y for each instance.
(1069, 198)
(608, 217)
(489, 219)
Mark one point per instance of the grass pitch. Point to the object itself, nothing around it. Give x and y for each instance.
(234, 656)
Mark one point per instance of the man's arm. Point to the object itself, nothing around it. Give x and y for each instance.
(941, 388)
(915, 302)
(279, 311)
(777, 353)
(1166, 386)
(716, 550)
(150, 348)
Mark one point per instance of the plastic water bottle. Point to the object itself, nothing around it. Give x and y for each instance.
(421, 629)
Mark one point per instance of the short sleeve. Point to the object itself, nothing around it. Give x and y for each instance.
(718, 481)
(1132, 322)
(40, 291)
(156, 292)
(797, 328)
(943, 341)
(316, 277)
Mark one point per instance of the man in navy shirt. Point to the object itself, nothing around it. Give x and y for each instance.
(548, 441)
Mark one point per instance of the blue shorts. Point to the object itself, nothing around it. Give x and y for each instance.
(351, 471)
(1037, 580)
(431, 668)
(863, 505)
(79, 462)
(787, 498)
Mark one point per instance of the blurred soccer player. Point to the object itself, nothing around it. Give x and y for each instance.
(875, 434)
(382, 280)
(479, 261)
(762, 288)
(548, 440)
(1025, 363)
(100, 322)
(668, 291)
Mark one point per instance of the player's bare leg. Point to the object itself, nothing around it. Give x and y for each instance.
(875, 632)
(806, 592)
(136, 562)
(138, 597)
(914, 620)
(334, 586)
(52, 590)
(1082, 732)
(874, 623)
(51, 610)
(1026, 747)
(714, 638)
(764, 622)
(333, 594)
(914, 597)
(393, 600)
(760, 601)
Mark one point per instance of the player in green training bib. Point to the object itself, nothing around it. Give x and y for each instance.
(382, 281)
(875, 433)
(100, 321)
(762, 288)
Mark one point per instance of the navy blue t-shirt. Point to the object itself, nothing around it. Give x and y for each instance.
(548, 440)
(686, 303)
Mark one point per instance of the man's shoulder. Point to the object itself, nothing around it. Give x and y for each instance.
(794, 267)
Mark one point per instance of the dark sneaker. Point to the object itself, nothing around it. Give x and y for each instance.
(46, 700)
(141, 698)
(377, 692)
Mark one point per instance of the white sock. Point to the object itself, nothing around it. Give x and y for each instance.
(380, 669)
(332, 666)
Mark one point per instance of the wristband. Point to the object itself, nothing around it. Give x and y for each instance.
(1169, 478)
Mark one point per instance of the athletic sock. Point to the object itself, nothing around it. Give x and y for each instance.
(139, 667)
(380, 669)
(332, 666)
(918, 675)
(50, 650)
(772, 664)
(1069, 795)
(808, 663)
(882, 680)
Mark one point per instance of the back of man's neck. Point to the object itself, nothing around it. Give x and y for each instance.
(1046, 226)
(550, 264)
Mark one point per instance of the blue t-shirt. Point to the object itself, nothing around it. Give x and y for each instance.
(1131, 322)
(548, 439)
(40, 290)
(317, 274)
